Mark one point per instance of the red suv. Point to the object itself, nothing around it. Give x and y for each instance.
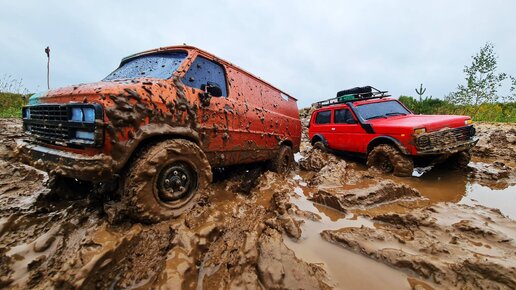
(366, 121)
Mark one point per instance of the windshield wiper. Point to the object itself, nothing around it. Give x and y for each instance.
(395, 114)
(376, 117)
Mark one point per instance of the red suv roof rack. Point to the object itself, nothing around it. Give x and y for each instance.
(353, 95)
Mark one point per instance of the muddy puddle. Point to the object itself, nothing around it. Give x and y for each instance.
(444, 185)
(329, 224)
(435, 185)
(345, 267)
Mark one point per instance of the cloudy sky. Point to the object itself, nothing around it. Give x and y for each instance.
(310, 49)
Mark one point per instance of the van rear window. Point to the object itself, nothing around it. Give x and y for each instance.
(323, 117)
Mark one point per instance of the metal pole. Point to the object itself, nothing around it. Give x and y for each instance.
(47, 51)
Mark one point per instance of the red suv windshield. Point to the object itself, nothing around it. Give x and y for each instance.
(381, 110)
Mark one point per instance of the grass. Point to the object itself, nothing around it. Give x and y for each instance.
(13, 96)
(11, 104)
(488, 112)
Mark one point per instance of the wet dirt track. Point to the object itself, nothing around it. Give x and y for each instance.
(330, 224)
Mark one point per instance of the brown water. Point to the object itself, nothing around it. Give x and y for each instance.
(347, 267)
(344, 266)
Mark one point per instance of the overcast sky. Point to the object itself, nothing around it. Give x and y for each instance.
(310, 49)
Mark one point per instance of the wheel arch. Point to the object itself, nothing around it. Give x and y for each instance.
(317, 138)
(287, 142)
(152, 134)
(386, 140)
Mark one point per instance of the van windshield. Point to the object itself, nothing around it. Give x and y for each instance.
(381, 110)
(157, 65)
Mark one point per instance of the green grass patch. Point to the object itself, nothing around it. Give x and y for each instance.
(11, 104)
(488, 112)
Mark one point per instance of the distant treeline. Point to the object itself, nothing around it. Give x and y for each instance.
(491, 112)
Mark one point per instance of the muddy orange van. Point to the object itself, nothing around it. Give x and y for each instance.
(159, 123)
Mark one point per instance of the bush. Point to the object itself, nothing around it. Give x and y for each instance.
(11, 104)
(490, 112)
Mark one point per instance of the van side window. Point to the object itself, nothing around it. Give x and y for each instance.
(323, 117)
(203, 71)
(343, 116)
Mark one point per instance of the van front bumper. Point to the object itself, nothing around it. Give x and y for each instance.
(82, 167)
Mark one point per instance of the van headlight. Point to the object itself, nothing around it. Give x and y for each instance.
(85, 135)
(26, 113)
(468, 122)
(83, 114)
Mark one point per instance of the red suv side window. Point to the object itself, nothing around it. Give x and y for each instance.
(343, 116)
(323, 117)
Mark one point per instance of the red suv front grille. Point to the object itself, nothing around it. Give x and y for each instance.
(444, 138)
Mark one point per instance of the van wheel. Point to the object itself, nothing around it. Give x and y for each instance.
(283, 161)
(320, 145)
(388, 159)
(459, 160)
(164, 180)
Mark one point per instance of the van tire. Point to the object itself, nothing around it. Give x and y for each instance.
(283, 161)
(320, 145)
(387, 159)
(165, 180)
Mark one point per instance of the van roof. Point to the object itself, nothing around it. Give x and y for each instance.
(189, 47)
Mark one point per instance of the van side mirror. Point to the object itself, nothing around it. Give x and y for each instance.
(213, 89)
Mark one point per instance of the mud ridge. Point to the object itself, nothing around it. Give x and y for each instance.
(454, 246)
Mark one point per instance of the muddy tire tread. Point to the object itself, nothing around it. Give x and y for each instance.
(320, 145)
(137, 191)
(402, 164)
(276, 164)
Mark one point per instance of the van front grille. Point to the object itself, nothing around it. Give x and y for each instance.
(52, 123)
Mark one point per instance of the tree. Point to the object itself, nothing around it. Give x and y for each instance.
(482, 80)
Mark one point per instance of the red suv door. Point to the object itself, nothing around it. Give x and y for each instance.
(348, 133)
(322, 125)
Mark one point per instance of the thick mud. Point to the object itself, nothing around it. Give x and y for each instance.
(330, 224)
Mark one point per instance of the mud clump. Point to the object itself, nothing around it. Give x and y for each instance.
(10, 129)
(335, 171)
(278, 267)
(242, 180)
(495, 175)
(316, 160)
(134, 261)
(381, 193)
(453, 246)
(249, 254)
(284, 220)
(496, 140)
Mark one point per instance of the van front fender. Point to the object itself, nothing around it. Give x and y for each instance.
(123, 150)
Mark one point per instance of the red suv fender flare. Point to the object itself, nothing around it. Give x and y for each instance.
(386, 140)
(325, 142)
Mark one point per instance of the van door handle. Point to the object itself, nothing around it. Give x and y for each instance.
(333, 129)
